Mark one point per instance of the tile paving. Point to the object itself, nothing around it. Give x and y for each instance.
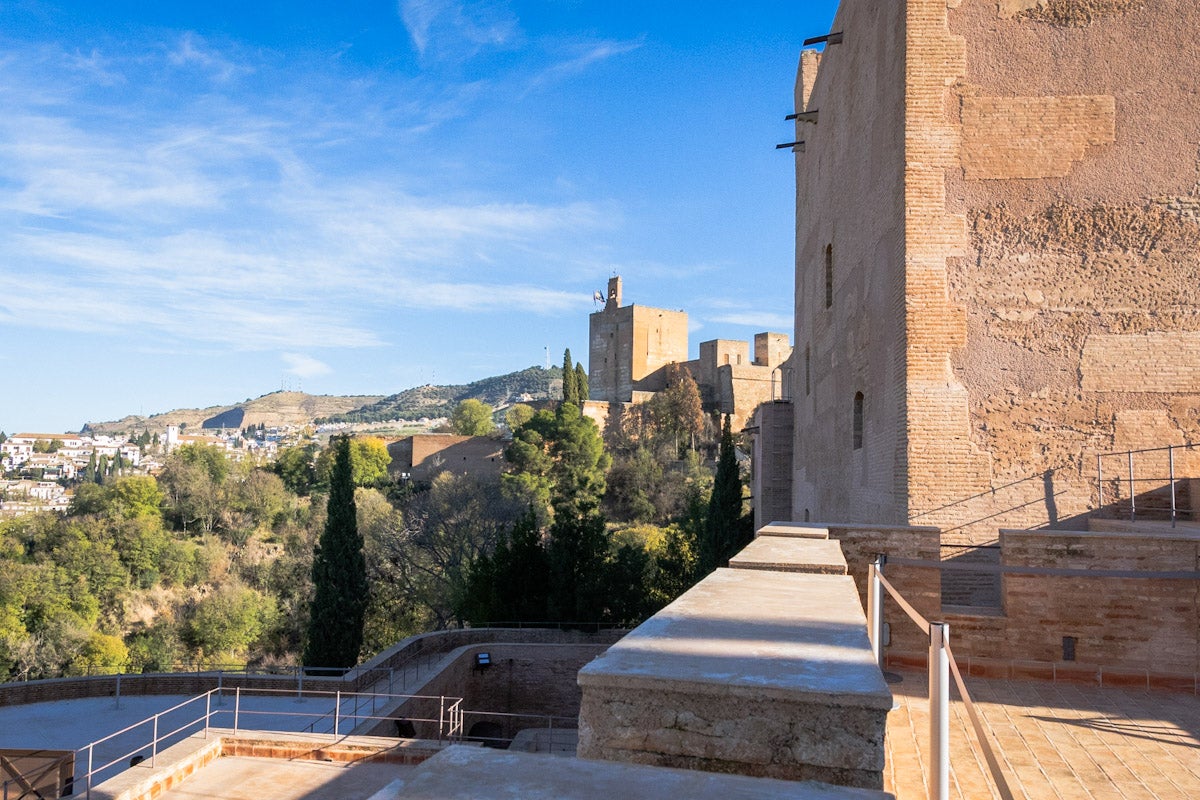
(1054, 740)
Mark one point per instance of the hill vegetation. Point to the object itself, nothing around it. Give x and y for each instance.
(499, 391)
(276, 409)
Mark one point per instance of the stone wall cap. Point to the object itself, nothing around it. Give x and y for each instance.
(462, 773)
(792, 554)
(798, 637)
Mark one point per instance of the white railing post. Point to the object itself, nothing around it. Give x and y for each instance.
(441, 717)
(939, 712)
(91, 747)
(875, 607)
(337, 711)
(237, 706)
(207, 711)
(154, 744)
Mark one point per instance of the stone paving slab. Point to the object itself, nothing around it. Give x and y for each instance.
(245, 778)
(1056, 740)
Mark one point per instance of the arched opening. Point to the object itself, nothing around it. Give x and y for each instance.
(488, 733)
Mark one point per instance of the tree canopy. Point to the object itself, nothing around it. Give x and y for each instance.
(472, 417)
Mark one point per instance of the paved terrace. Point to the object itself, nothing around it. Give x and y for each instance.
(1055, 740)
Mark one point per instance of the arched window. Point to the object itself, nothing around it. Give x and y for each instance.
(829, 276)
(858, 420)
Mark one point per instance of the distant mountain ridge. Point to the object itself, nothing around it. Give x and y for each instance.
(278, 409)
(532, 383)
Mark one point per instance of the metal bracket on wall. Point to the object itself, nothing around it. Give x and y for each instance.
(829, 38)
(804, 116)
(797, 147)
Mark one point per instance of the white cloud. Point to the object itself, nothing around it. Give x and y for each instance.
(458, 30)
(192, 50)
(759, 320)
(589, 54)
(304, 366)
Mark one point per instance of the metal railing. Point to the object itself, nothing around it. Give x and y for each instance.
(941, 666)
(1130, 478)
(449, 722)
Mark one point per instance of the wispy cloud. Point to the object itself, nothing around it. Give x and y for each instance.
(585, 56)
(762, 320)
(193, 51)
(446, 28)
(304, 366)
(228, 225)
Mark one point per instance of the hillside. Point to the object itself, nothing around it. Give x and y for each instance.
(272, 410)
(438, 401)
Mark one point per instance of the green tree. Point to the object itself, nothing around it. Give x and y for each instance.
(228, 621)
(725, 531)
(517, 415)
(559, 462)
(335, 629)
(472, 417)
(369, 459)
(297, 467)
(570, 387)
(581, 382)
(512, 584)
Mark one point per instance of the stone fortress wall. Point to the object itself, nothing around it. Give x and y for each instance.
(997, 233)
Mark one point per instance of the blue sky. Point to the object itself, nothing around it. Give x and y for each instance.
(204, 202)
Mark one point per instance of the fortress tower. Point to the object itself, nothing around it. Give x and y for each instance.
(997, 252)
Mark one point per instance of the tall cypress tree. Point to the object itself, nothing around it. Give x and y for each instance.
(581, 383)
(724, 532)
(570, 388)
(339, 572)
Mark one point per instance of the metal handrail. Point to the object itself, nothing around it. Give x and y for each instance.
(1132, 480)
(450, 724)
(941, 665)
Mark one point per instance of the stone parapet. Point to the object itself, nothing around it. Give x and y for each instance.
(754, 672)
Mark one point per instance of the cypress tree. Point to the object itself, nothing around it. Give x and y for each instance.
(570, 388)
(339, 572)
(581, 383)
(724, 531)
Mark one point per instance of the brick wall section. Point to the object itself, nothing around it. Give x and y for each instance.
(920, 586)
(1032, 137)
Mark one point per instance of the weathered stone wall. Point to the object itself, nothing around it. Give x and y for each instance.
(1081, 327)
(1018, 272)
(850, 211)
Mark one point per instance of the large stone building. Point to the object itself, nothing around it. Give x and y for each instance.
(998, 237)
(631, 347)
